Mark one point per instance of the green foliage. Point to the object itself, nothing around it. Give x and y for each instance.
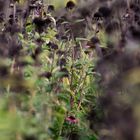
(42, 112)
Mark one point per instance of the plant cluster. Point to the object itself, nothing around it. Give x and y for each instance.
(69, 73)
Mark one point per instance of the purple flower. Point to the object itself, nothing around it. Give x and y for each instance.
(71, 119)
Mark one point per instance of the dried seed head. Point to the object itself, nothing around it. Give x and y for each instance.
(134, 8)
(105, 11)
(94, 40)
(134, 32)
(70, 5)
(97, 15)
(3, 71)
(62, 62)
(38, 21)
(51, 8)
(52, 46)
(46, 75)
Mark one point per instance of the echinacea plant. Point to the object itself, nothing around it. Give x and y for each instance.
(69, 70)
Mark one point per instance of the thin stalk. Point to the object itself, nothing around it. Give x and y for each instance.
(14, 12)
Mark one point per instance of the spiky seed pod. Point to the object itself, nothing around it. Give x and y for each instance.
(70, 5)
(94, 40)
(3, 71)
(52, 46)
(105, 11)
(97, 16)
(38, 21)
(134, 8)
(50, 8)
(62, 62)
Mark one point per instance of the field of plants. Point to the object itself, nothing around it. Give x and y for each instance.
(69, 70)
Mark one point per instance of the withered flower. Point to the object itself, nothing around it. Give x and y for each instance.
(105, 11)
(52, 46)
(51, 8)
(70, 5)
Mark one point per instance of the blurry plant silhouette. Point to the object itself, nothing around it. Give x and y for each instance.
(69, 70)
